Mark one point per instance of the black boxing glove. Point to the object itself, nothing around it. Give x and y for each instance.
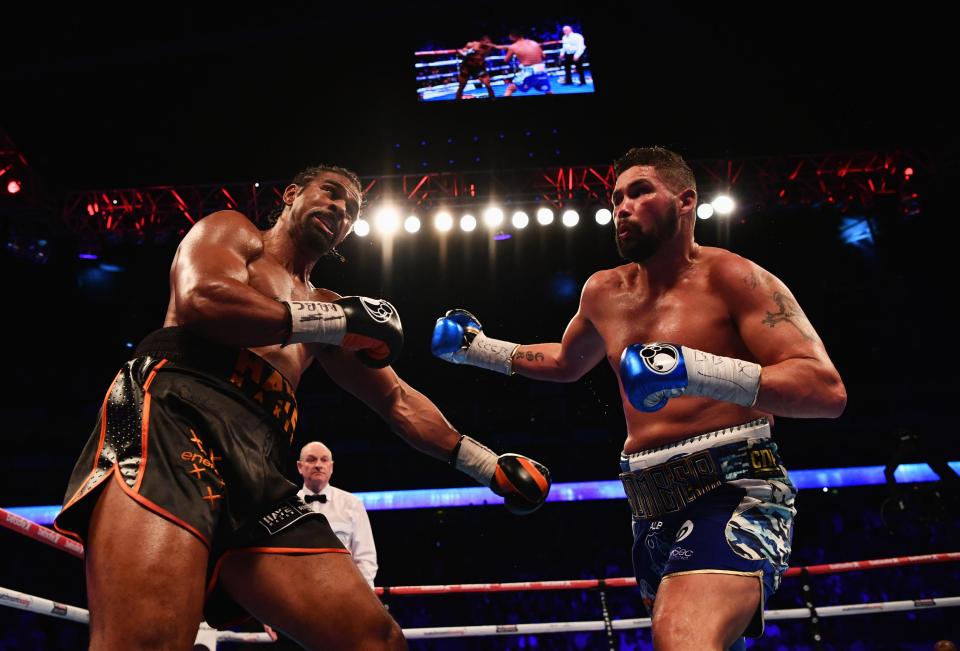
(368, 326)
(522, 482)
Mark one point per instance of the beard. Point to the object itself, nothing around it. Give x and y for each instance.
(317, 241)
(638, 248)
(312, 237)
(643, 244)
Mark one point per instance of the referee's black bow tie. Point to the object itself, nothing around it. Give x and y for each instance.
(315, 498)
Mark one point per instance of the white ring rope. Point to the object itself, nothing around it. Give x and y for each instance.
(34, 604)
(31, 603)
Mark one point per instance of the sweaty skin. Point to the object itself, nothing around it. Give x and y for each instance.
(705, 298)
(145, 574)
(676, 291)
(227, 281)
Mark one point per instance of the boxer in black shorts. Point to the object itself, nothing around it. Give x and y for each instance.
(179, 494)
(179, 422)
(474, 64)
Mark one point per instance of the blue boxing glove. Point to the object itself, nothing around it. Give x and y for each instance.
(458, 338)
(654, 373)
(453, 334)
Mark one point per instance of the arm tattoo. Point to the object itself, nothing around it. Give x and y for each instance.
(530, 356)
(791, 313)
(751, 280)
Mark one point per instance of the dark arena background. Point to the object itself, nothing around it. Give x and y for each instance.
(831, 129)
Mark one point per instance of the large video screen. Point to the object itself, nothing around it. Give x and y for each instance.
(547, 59)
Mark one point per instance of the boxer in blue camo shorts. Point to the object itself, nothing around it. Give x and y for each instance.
(532, 77)
(712, 504)
(533, 71)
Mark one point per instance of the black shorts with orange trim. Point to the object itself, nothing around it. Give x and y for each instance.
(199, 434)
(470, 69)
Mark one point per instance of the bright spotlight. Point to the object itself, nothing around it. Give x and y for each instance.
(520, 219)
(544, 216)
(570, 218)
(361, 227)
(603, 216)
(468, 223)
(493, 217)
(411, 224)
(723, 204)
(704, 211)
(386, 220)
(443, 221)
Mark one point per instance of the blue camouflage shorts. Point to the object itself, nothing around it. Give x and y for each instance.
(743, 526)
(532, 77)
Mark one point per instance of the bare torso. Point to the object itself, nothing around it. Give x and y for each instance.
(480, 48)
(626, 309)
(269, 277)
(527, 52)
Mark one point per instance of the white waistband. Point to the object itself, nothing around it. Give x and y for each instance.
(755, 429)
(535, 67)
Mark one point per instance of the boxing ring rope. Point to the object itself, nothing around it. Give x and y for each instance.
(627, 582)
(210, 637)
(33, 604)
(644, 622)
(22, 601)
(33, 530)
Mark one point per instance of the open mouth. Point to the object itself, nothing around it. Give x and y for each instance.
(327, 222)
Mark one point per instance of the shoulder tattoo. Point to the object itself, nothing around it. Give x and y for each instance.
(789, 312)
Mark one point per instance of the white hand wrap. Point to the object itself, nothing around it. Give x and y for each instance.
(476, 460)
(721, 378)
(491, 354)
(313, 321)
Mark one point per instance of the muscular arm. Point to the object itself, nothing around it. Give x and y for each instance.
(579, 351)
(798, 379)
(209, 279)
(410, 414)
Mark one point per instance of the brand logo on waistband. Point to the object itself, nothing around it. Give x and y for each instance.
(660, 358)
(285, 515)
(378, 309)
(685, 530)
(762, 459)
(669, 487)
